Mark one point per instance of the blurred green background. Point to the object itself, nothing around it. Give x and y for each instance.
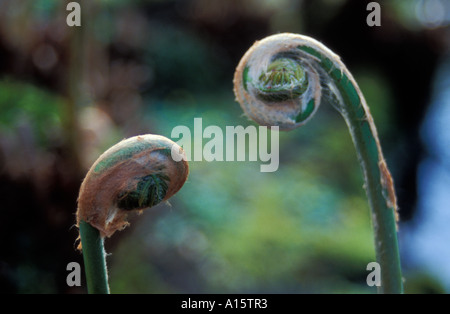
(142, 66)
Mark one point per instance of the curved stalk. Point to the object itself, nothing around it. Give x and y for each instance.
(326, 76)
(133, 175)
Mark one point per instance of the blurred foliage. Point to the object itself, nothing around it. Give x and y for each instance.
(26, 105)
(286, 231)
(149, 66)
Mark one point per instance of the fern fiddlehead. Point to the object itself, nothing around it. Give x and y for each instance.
(281, 80)
(135, 174)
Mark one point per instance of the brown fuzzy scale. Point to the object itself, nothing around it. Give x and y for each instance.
(100, 190)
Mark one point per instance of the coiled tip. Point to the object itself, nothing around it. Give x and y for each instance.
(276, 84)
(135, 174)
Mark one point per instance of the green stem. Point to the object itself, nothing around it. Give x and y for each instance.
(378, 183)
(383, 216)
(298, 87)
(94, 259)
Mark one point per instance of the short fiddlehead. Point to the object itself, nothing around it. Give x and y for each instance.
(281, 80)
(135, 174)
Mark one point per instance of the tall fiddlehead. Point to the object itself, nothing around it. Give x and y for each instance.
(281, 80)
(135, 174)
